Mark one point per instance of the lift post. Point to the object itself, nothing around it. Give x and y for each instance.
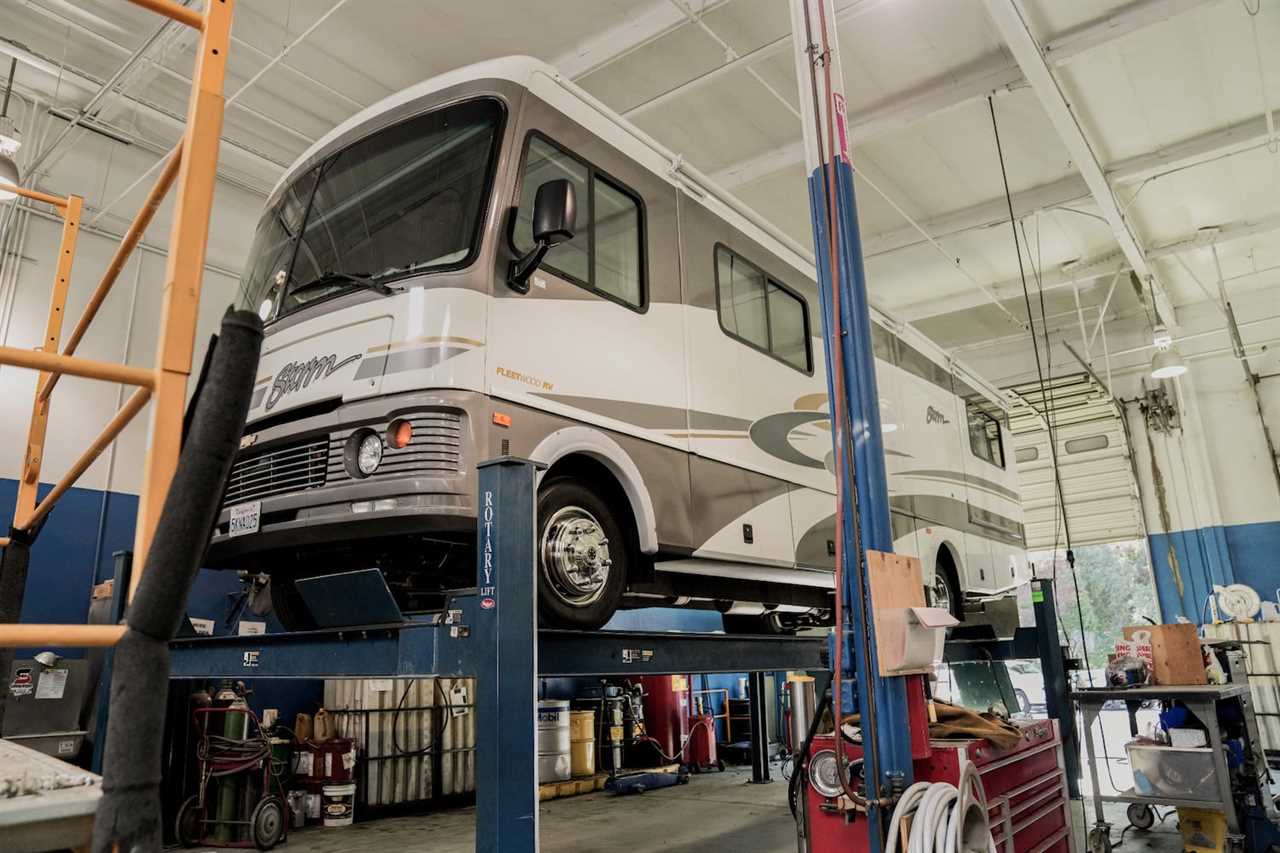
(506, 675)
(883, 703)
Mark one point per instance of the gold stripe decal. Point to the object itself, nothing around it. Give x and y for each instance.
(472, 342)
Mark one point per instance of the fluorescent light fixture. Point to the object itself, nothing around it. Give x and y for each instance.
(8, 175)
(1167, 364)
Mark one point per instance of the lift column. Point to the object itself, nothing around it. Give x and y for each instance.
(506, 651)
(882, 702)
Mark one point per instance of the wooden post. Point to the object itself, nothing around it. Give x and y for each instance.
(36, 432)
(181, 298)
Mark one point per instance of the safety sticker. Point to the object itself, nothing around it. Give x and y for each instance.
(22, 683)
(53, 683)
(637, 655)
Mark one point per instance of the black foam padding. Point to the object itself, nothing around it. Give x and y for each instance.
(14, 560)
(129, 812)
(194, 495)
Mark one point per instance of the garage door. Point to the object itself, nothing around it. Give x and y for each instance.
(1093, 457)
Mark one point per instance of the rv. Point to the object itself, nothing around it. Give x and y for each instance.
(493, 263)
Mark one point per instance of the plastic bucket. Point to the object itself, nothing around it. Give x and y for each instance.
(338, 804)
(582, 743)
(554, 763)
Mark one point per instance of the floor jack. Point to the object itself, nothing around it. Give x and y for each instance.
(639, 781)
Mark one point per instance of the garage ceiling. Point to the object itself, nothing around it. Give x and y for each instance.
(1168, 98)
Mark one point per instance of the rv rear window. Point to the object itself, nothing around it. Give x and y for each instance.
(606, 254)
(762, 312)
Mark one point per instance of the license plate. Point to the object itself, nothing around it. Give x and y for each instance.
(245, 518)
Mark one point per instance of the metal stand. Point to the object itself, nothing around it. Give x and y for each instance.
(759, 729)
(489, 633)
(1203, 701)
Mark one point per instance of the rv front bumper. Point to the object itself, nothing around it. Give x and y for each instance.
(297, 478)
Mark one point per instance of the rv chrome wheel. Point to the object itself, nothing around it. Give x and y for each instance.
(941, 592)
(575, 556)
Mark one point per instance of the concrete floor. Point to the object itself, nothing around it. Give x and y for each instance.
(714, 813)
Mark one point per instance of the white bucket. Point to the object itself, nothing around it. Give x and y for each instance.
(554, 764)
(338, 805)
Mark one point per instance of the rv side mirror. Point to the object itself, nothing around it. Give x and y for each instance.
(554, 218)
(554, 212)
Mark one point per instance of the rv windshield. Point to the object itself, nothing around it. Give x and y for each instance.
(405, 200)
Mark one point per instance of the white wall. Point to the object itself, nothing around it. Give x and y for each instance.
(127, 325)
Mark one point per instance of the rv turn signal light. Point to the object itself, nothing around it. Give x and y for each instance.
(501, 419)
(399, 434)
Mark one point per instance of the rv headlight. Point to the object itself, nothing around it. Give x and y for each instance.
(369, 455)
(363, 453)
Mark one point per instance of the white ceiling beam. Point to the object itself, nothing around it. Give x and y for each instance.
(1091, 269)
(641, 26)
(780, 45)
(1215, 144)
(1136, 16)
(1232, 139)
(1022, 44)
(994, 76)
(983, 215)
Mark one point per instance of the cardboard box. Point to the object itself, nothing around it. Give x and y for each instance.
(1175, 653)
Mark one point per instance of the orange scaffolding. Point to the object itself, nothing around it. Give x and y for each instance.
(193, 166)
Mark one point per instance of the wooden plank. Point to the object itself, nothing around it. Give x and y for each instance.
(896, 582)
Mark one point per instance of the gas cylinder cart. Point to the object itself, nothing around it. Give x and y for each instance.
(239, 802)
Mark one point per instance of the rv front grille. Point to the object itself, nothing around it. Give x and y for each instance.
(292, 468)
(435, 449)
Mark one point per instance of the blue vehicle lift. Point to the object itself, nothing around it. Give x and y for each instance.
(490, 633)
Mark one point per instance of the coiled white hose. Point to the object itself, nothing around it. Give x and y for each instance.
(939, 809)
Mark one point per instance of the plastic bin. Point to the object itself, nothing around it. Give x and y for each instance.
(1184, 773)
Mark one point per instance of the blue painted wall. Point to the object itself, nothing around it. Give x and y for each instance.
(1224, 554)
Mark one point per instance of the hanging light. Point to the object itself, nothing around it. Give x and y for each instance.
(1167, 362)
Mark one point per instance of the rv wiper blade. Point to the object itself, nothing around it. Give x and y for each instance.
(353, 278)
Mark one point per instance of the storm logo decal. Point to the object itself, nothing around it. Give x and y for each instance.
(299, 374)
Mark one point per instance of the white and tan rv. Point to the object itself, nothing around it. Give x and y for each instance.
(492, 262)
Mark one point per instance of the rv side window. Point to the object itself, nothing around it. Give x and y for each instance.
(762, 312)
(606, 253)
(984, 436)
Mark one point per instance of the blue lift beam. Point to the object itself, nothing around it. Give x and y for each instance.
(489, 633)
(821, 82)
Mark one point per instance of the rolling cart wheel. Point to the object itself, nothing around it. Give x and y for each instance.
(720, 764)
(1141, 816)
(1100, 839)
(268, 823)
(187, 825)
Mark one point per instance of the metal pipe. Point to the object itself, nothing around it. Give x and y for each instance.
(804, 699)
(105, 89)
(104, 439)
(57, 363)
(173, 12)
(76, 636)
(127, 244)
(35, 195)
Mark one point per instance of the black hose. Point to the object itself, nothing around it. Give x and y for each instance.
(128, 817)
